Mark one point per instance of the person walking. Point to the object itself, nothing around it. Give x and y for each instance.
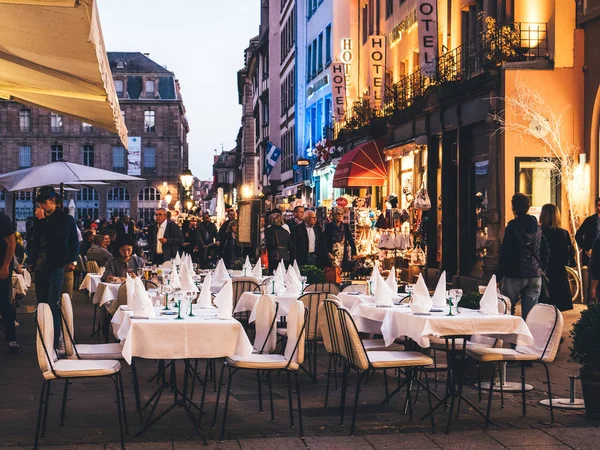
(164, 238)
(54, 251)
(307, 241)
(339, 242)
(298, 218)
(8, 244)
(586, 234)
(561, 247)
(524, 255)
(278, 242)
(231, 250)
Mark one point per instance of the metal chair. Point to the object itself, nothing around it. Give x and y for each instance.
(312, 301)
(328, 288)
(92, 267)
(67, 369)
(362, 288)
(239, 286)
(290, 362)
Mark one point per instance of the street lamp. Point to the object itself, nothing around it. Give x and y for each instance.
(187, 179)
(168, 198)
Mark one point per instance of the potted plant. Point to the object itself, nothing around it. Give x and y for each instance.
(585, 350)
(470, 300)
(313, 274)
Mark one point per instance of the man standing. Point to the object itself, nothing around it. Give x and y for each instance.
(298, 217)
(86, 244)
(223, 230)
(54, 251)
(125, 226)
(207, 230)
(306, 240)
(8, 244)
(524, 255)
(164, 238)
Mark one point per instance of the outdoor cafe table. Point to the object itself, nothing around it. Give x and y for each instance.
(398, 321)
(19, 284)
(90, 282)
(248, 302)
(106, 292)
(166, 338)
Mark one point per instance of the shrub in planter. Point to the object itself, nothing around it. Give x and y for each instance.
(470, 300)
(585, 350)
(313, 274)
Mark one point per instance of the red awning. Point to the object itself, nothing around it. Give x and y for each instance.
(361, 167)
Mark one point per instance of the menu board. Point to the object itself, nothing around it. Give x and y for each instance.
(249, 223)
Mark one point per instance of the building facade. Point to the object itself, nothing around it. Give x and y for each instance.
(154, 113)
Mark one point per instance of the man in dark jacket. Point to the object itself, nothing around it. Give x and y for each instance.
(587, 232)
(231, 215)
(306, 241)
(54, 251)
(524, 255)
(125, 226)
(164, 238)
(207, 230)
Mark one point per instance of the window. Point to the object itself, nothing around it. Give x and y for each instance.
(314, 58)
(149, 121)
(88, 155)
(308, 62)
(328, 49)
(56, 153)
(56, 123)
(537, 179)
(149, 160)
(118, 194)
(320, 53)
(365, 23)
(149, 87)
(319, 120)
(328, 114)
(389, 8)
(121, 64)
(119, 87)
(149, 193)
(24, 156)
(87, 194)
(119, 160)
(25, 120)
(87, 127)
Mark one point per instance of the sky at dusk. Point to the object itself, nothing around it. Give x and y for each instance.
(203, 43)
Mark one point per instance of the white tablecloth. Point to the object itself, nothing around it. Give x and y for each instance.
(399, 321)
(203, 336)
(90, 282)
(351, 301)
(106, 292)
(19, 284)
(248, 302)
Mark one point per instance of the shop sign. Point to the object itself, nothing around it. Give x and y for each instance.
(428, 37)
(377, 62)
(346, 56)
(317, 86)
(341, 202)
(395, 35)
(338, 87)
(303, 162)
(134, 156)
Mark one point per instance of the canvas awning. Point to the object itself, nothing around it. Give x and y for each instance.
(361, 167)
(52, 55)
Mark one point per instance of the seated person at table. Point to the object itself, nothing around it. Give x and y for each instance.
(98, 251)
(118, 267)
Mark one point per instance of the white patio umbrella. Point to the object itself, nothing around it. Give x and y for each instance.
(72, 208)
(220, 208)
(213, 206)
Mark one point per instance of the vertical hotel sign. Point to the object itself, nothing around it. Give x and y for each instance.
(340, 79)
(428, 37)
(377, 63)
(134, 156)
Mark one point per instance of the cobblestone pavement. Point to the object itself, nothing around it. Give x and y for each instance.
(91, 412)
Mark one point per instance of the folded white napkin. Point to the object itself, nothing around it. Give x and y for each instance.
(174, 279)
(373, 279)
(257, 271)
(489, 301)
(383, 295)
(177, 259)
(293, 285)
(224, 301)
(187, 278)
(421, 302)
(205, 299)
(247, 265)
(391, 281)
(439, 296)
(297, 269)
(142, 306)
(280, 271)
(220, 275)
(130, 286)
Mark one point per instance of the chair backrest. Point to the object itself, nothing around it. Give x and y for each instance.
(92, 267)
(545, 323)
(503, 308)
(81, 266)
(297, 320)
(265, 339)
(44, 344)
(241, 285)
(149, 284)
(68, 326)
(167, 265)
(329, 288)
(120, 300)
(329, 324)
(362, 288)
(312, 300)
(354, 350)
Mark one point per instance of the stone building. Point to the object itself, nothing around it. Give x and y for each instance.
(154, 113)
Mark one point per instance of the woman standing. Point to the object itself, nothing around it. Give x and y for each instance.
(278, 242)
(560, 245)
(339, 243)
(231, 250)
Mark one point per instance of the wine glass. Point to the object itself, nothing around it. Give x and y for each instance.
(450, 300)
(457, 296)
(140, 272)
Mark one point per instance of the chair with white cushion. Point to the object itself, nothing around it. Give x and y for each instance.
(363, 361)
(289, 362)
(67, 369)
(545, 323)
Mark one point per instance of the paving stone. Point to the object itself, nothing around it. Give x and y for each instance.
(400, 440)
(466, 440)
(338, 443)
(272, 444)
(73, 447)
(511, 438)
(212, 445)
(580, 438)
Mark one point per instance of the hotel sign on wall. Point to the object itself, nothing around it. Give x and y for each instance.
(340, 79)
(428, 38)
(377, 65)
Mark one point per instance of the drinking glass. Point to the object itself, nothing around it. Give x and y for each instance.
(450, 300)
(140, 272)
